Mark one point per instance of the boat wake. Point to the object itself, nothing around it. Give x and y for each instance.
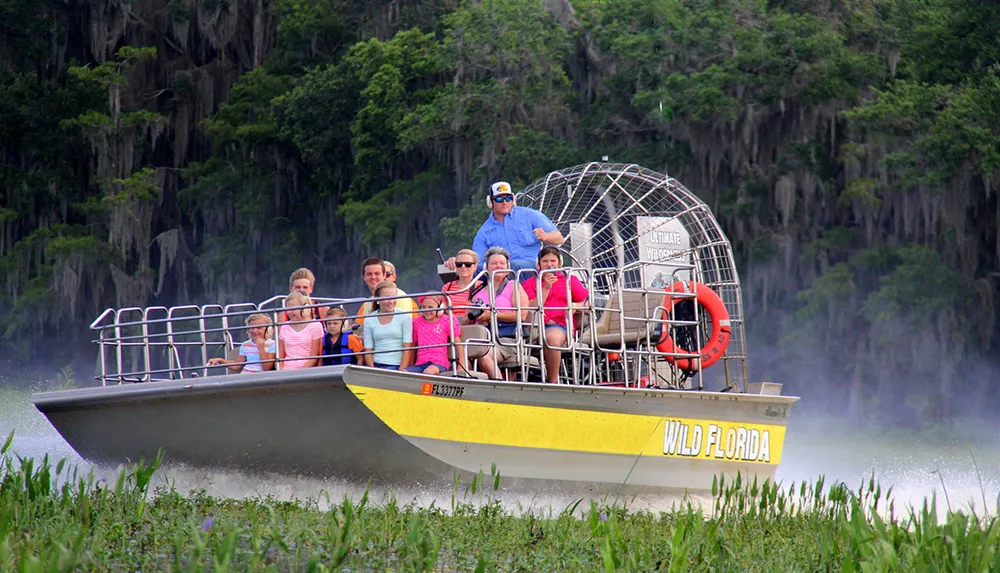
(323, 493)
(957, 473)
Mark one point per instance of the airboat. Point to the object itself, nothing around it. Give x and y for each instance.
(653, 393)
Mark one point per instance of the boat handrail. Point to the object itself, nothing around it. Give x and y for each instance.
(611, 337)
(323, 302)
(99, 319)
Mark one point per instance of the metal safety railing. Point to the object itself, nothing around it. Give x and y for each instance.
(610, 335)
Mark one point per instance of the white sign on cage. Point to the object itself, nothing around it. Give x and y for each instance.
(665, 249)
(580, 237)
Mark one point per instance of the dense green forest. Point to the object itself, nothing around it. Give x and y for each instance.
(157, 151)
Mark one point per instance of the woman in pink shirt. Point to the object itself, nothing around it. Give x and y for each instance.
(554, 293)
(300, 339)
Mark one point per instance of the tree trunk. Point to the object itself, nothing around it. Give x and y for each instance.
(856, 403)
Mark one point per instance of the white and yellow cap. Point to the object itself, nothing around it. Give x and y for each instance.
(500, 188)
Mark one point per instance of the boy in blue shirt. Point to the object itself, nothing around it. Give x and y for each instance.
(340, 346)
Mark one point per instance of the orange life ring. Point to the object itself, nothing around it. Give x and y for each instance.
(721, 329)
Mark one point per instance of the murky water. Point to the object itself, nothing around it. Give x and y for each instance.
(915, 465)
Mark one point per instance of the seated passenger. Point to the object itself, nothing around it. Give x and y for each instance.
(373, 272)
(257, 352)
(389, 336)
(435, 331)
(390, 271)
(339, 345)
(304, 281)
(554, 291)
(299, 340)
(458, 290)
(498, 298)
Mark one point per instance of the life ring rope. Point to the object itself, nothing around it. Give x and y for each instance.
(713, 305)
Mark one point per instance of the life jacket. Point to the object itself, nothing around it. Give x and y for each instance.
(340, 347)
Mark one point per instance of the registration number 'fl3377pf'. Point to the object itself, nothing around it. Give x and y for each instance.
(446, 390)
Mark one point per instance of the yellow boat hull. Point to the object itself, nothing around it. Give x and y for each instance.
(643, 438)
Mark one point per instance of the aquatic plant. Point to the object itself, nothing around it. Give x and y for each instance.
(52, 518)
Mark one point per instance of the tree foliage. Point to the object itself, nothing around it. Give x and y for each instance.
(165, 152)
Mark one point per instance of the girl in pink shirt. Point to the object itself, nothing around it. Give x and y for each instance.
(436, 331)
(299, 339)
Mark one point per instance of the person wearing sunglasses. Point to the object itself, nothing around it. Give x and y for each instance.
(390, 271)
(522, 231)
(459, 290)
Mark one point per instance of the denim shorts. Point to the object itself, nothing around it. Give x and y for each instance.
(387, 366)
(419, 368)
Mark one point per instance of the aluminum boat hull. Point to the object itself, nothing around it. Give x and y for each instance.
(388, 427)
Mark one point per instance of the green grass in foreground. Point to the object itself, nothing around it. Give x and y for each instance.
(52, 519)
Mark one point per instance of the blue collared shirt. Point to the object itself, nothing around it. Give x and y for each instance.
(516, 234)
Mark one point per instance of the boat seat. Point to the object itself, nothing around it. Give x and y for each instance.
(479, 338)
(509, 347)
(512, 363)
(471, 374)
(477, 341)
(478, 344)
(581, 323)
(638, 307)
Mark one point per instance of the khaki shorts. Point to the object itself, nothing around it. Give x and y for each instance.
(507, 349)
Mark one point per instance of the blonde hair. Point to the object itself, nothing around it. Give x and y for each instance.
(258, 317)
(469, 252)
(388, 267)
(298, 299)
(302, 273)
(261, 318)
(382, 286)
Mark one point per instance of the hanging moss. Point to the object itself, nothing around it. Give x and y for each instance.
(835, 143)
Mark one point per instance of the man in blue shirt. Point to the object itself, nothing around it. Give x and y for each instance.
(521, 230)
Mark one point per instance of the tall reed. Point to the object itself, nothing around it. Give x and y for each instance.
(52, 518)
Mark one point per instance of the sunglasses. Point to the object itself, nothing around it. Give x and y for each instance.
(504, 198)
(464, 264)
